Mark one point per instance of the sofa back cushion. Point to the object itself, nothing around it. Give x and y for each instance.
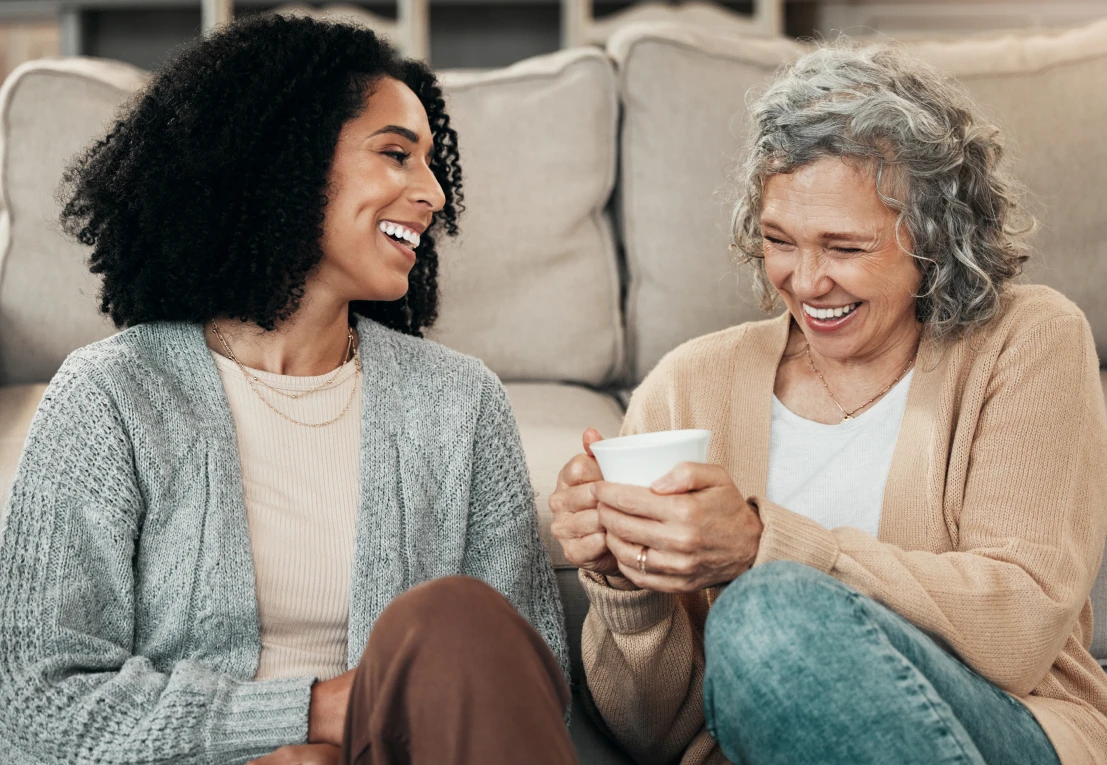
(685, 126)
(49, 111)
(531, 286)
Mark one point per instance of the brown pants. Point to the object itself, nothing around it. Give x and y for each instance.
(453, 675)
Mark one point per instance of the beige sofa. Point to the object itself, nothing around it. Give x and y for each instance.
(595, 237)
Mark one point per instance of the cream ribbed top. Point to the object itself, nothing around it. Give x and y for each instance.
(301, 492)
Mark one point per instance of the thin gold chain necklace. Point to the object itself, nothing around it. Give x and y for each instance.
(251, 380)
(347, 357)
(847, 416)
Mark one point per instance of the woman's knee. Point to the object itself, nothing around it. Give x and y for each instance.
(443, 614)
(764, 624)
(781, 594)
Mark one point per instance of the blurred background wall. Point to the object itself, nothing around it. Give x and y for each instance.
(485, 33)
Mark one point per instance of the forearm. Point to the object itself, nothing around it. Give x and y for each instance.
(643, 658)
(138, 715)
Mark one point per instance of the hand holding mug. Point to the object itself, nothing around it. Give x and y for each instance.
(690, 530)
(576, 518)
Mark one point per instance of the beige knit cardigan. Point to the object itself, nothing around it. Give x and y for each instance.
(991, 531)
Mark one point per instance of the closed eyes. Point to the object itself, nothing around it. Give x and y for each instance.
(843, 250)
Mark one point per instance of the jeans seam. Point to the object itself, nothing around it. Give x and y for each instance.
(892, 655)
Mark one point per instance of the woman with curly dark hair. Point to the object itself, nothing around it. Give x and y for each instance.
(268, 521)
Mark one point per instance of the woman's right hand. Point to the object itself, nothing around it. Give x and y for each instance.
(327, 710)
(576, 518)
(302, 754)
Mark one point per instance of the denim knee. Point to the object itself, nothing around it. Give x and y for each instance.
(772, 592)
(760, 624)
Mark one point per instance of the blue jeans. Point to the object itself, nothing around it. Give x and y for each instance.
(803, 669)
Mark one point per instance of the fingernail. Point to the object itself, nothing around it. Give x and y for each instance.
(662, 484)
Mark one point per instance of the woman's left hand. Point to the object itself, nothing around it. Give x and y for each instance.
(697, 526)
(302, 754)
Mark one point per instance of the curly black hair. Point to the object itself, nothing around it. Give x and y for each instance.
(206, 198)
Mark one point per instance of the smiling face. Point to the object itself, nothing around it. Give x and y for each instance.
(382, 196)
(832, 254)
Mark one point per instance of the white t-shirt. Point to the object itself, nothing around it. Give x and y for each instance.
(835, 474)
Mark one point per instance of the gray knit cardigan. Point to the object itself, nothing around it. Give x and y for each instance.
(128, 612)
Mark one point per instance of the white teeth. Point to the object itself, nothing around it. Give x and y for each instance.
(829, 313)
(396, 231)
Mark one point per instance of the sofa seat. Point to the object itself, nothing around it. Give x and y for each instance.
(552, 417)
(17, 408)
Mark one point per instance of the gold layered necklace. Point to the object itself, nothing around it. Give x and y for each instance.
(252, 380)
(847, 416)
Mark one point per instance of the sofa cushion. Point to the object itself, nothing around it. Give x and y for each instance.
(685, 125)
(18, 404)
(683, 91)
(1099, 589)
(594, 746)
(532, 286)
(551, 420)
(49, 111)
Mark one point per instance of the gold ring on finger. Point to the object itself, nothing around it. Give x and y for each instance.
(642, 559)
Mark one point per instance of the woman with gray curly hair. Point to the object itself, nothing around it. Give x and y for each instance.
(904, 501)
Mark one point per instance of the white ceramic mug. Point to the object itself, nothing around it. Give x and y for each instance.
(642, 459)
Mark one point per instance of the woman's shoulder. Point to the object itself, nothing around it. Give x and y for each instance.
(1030, 303)
(713, 354)
(428, 371)
(108, 385)
(419, 354)
(1027, 307)
(690, 384)
(126, 357)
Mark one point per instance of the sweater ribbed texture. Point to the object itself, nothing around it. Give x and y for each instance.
(128, 608)
(300, 486)
(991, 529)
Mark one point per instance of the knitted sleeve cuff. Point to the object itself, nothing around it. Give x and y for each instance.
(252, 718)
(626, 612)
(791, 536)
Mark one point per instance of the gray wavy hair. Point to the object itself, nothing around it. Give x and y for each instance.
(935, 158)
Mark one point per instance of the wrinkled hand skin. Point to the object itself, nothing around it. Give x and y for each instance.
(698, 527)
(700, 530)
(576, 518)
